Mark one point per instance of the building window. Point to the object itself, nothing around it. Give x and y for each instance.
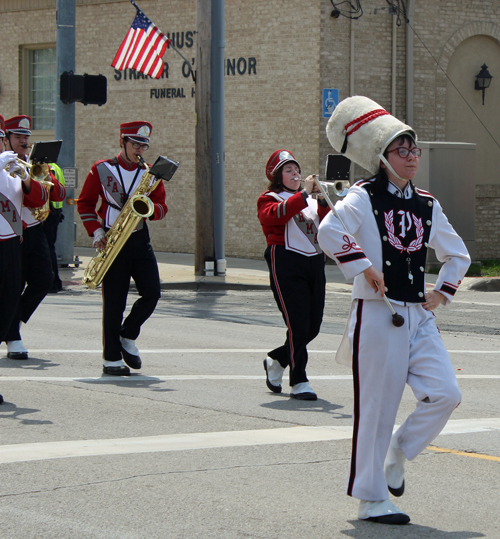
(40, 86)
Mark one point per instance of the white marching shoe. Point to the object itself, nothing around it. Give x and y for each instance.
(274, 374)
(383, 512)
(394, 468)
(304, 392)
(16, 350)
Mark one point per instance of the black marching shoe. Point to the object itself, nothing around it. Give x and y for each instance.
(16, 350)
(130, 353)
(275, 371)
(120, 370)
(382, 512)
(134, 362)
(303, 392)
(394, 468)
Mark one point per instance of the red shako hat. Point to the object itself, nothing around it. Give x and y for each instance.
(20, 125)
(137, 131)
(277, 160)
(2, 126)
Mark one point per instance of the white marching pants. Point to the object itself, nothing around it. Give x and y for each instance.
(385, 358)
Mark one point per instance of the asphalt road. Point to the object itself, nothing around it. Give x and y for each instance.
(195, 446)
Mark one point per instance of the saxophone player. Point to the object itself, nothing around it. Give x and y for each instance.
(36, 267)
(111, 182)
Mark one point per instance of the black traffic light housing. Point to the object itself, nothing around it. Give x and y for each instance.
(86, 89)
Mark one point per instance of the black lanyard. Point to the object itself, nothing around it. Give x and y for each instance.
(127, 193)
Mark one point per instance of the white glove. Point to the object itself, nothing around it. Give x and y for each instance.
(6, 158)
(98, 235)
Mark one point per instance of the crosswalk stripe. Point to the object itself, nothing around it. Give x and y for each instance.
(205, 440)
(182, 377)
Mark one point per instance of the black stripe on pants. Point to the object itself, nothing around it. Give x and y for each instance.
(298, 284)
(136, 260)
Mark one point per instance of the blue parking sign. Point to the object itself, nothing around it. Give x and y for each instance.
(330, 101)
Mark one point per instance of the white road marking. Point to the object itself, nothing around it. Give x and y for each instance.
(181, 377)
(204, 440)
(220, 351)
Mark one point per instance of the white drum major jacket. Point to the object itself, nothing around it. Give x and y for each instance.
(392, 232)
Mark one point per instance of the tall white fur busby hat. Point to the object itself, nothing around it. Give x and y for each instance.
(361, 129)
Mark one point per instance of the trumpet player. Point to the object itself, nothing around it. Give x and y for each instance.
(112, 182)
(290, 218)
(36, 267)
(14, 192)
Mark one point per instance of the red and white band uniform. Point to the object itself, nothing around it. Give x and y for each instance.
(112, 181)
(297, 272)
(12, 201)
(391, 232)
(37, 275)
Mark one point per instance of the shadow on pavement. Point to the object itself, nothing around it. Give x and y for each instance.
(128, 381)
(321, 406)
(10, 411)
(31, 364)
(370, 530)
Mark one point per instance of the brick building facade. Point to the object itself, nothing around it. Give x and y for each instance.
(280, 55)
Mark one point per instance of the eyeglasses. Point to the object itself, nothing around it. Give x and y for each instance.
(405, 152)
(138, 146)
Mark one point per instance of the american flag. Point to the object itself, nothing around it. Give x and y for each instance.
(143, 47)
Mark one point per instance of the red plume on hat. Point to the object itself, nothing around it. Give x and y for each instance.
(2, 127)
(277, 160)
(20, 125)
(137, 131)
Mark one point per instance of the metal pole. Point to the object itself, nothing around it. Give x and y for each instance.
(65, 124)
(218, 157)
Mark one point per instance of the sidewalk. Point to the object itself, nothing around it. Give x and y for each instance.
(177, 273)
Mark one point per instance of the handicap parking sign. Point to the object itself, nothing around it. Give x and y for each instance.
(330, 101)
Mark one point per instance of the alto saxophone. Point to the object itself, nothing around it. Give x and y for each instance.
(137, 207)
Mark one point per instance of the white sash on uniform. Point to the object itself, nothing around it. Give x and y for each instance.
(302, 238)
(11, 203)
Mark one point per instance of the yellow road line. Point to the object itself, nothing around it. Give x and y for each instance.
(463, 453)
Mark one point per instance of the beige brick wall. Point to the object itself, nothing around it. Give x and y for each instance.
(298, 49)
(487, 221)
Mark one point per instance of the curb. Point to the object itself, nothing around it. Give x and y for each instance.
(481, 284)
(209, 286)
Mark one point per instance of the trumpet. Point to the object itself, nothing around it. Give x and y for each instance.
(37, 171)
(340, 187)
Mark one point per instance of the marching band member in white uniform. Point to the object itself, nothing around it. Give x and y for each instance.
(14, 193)
(36, 264)
(390, 224)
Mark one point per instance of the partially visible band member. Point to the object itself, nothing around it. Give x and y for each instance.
(13, 194)
(36, 274)
(289, 217)
(111, 182)
(50, 226)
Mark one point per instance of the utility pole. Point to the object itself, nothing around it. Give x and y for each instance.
(204, 242)
(65, 124)
(209, 169)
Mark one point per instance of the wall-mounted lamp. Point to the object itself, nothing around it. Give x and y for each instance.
(483, 79)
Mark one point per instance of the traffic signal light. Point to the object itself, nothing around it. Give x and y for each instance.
(86, 89)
